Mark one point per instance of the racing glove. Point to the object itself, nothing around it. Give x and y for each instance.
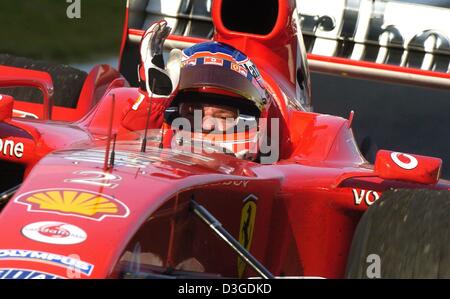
(141, 112)
(157, 81)
(156, 78)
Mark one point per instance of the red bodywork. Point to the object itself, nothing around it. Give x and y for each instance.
(136, 214)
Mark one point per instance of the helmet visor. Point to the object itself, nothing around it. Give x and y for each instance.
(199, 76)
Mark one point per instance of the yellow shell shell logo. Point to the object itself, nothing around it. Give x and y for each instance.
(74, 203)
(248, 217)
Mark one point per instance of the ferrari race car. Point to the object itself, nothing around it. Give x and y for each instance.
(91, 190)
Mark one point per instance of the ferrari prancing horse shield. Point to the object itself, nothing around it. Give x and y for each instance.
(248, 216)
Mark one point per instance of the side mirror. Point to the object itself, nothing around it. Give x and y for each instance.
(6, 107)
(407, 167)
(19, 77)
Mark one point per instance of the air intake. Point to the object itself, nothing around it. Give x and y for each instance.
(249, 16)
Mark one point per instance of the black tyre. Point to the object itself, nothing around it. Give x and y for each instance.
(409, 233)
(67, 81)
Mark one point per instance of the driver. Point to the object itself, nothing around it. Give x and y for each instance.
(213, 95)
(212, 116)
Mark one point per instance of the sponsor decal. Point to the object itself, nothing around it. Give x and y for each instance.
(135, 159)
(96, 178)
(208, 54)
(189, 62)
(26, 274)
(48, 258)
(369, 196)
(98, 156)
(54, 232)
(73, 202)
(240, 64)
(24, 114)
(379, 31)
(213, 60)
(253, 70)
(248, 217)
(138, 102)
(184, 16)
(390, 32)
(404, 161)
(236, 183)
(240, 69)
(9, 148)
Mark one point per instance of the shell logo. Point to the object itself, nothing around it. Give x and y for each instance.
(71, 202)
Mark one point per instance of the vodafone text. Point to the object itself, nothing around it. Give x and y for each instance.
(11, 148)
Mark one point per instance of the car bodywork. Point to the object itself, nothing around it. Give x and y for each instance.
(77, 212)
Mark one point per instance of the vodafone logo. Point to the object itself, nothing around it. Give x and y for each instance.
(367, 196)
(10, 148)
(53, 232)
(404, 161)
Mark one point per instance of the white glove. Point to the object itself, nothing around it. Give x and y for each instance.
(159, 80)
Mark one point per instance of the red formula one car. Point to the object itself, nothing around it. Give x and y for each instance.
(89, 194)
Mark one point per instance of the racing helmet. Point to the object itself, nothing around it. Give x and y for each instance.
(214, 75)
